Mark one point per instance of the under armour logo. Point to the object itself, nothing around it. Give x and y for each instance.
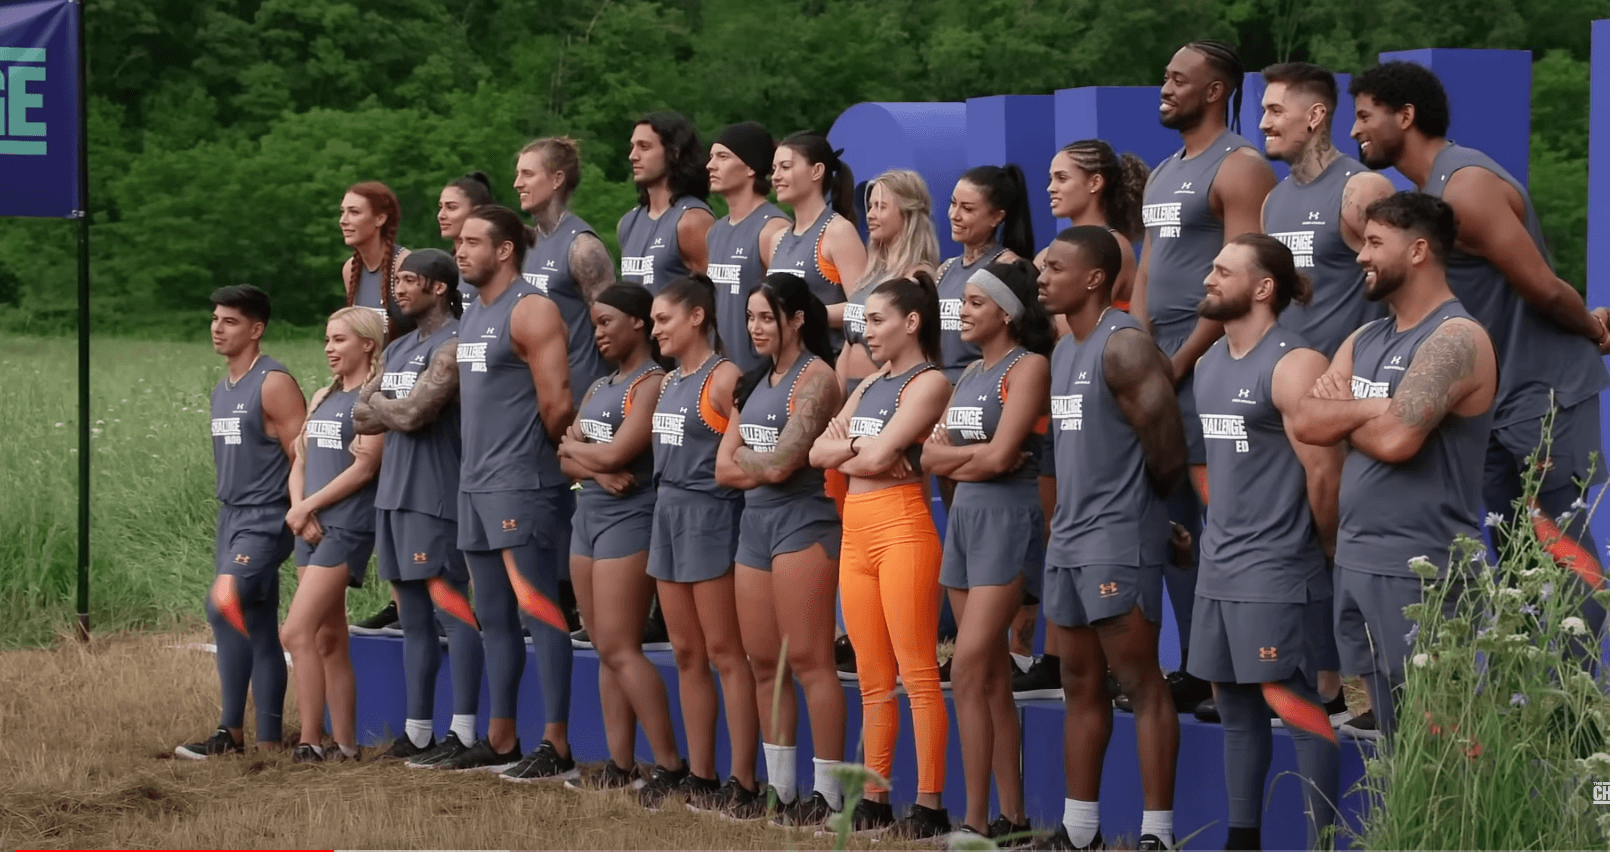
(1397, 359)
(421, 558)
(1268, 654)
(1185, 185)
(510, 525)
(1314, 216)
(884, 412)
(491, 330)
(1084, 374)
(739, 251)
(1244, 394)
(242, 559)
(1108, 589)
(981, 397)
(771, 417)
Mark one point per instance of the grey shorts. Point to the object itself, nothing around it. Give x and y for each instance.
(1241, 642)
(418, 546)
(1079, 597)
(497, 520)
(695, 536)
(1573, 441)
(1371, 629)
(339, 546)
(766, 532)
(992, 545)
(606, 527)
(1319, 632)
(252, 542)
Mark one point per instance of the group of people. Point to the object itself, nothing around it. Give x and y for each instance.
(744, 419)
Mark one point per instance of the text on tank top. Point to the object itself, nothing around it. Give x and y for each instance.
(687, 431)
(420, 468)
(877, 406)
(393, 321)
(1391, 513)
(952, 285)
(975, 412)
(251, 466)
(651, 255)
(1106, 508)
(1259, 543)
(765, 414)
(1534, 354)
(1308, 219)
(602, 414)
(505, 445)
(855, 315)
(547, 268)
(329, 452)
(736, 269)
(1186, 236)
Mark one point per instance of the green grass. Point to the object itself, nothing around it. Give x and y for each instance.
(152, 506)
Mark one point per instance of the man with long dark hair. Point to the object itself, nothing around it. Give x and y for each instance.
(663, 237)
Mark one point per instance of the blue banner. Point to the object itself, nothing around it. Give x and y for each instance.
(39, 118)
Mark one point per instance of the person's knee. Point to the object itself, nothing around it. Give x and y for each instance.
(329, 643)
(727, 653)
(688, 657)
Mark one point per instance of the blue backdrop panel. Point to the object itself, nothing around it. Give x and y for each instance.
(1599, 214)
(39, 130)
(1017, 129)
(1489, 99)
(929, 138)
(1124, 116)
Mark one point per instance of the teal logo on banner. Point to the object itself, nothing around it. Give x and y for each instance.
(39, 120)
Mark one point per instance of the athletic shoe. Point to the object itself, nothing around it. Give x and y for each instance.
(580, 640)
(218, 744)
(1013, 835)
(1336, 708)
(804, 813)
(1151, 843)
(655, 636)
(1042, 680)
(1059, 841)
(481, 757)
(748, 805)
(964, 834)
(660, 785)
(611, 777)
(374, 624)
(844, 658)
(1208, 711)
(335, 753)
(697, 792)
(921, 823)
(544, 764)
(712, 801)
(944, 675)
(1362, 726)
(448, 749)
(1188, 690)
(403, 748)
(306, 754)
(871, 817)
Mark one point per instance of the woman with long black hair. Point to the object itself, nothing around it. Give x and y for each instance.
(989, 217)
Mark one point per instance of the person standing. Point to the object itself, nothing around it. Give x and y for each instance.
(990, 219)
(664, 236)
(741, 242)
(453, 206)
(1091, 184)
(370, 215)
(823, 247)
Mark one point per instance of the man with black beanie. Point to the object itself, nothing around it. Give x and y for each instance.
(741, 244)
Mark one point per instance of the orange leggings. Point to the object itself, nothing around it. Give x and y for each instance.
(889, 580)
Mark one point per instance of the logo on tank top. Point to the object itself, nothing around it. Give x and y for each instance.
(325, 434)
(1268, 654)
(398, 385)
(855, 318)
(967, 420)
(598, 431)
(536, 280)
(1395, 364)
(950, 314)
(1164, 217)
(638, 267)
(1068, 410)
(867, 427)
(421, 558)
(659, 242)
(1365, 389)
(1301, 243)
(726, 273)
(761, 439)
(669, 428)
(473, 354)
(1226, 427)
(227, 428)
(1108, 590)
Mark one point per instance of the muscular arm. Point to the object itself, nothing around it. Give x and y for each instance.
(284, 410)
(1454, 364)
(631, 439)
(1123, 290)
(1324, 416)
(1137, 294)
(1137, 374)
(437, 386)
(815, 401)
(920, 408)
(1294, 375)
(591, 266)
(692, 231)
(538, 334)
(1362, 190)
(1490, 226)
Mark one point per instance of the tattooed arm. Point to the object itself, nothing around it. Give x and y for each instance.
(1453, 371)
(437, 386)
(1137, 373)
(591, 266)
(815, 401)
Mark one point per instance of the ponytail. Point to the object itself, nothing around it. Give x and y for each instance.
(696, 290)
(838, 181)
(1123, 186)
(788, 294)
(477, 187)
(918, 295)
(1005, 189)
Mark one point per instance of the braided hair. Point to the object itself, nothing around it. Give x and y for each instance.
(1123, 183)
(382, 202)
(1224, 60)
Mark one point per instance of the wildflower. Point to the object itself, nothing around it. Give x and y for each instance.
(1422, 566)
(1494, 519)
(100, 423)
(95, 431)
(1572, 624)
(1518, 699)
(1530, 609)
(58, 425)
(1414, 630)
(1421, 661)
(1510, 592)
(155, 456)
(1546, 592)
(1579, 505)
(1565, 518)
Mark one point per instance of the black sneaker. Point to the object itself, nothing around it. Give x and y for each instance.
(448, 749)
(306, 754)
(403, 748)
(1010, 835)
(218, 744)
(1362, 726)
(1042, 680)
(1188, 690)
(544, 764)
(748, 805)
(871, 817)
(944, 675)
(1059, 841)
(375, 624)
(611, 777)
(655, 636)
(844, 658)
(711, 801)
(1151, 843)
(660, 785)
(698, 793)
(921, 823)
(481, 757)
(580, 640)
(1208, 711)
(804, 813)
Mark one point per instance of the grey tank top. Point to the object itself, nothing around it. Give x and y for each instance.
(603, 413)
(1259, 543)
(367, 295)
(650, 253)
(764, 417)
(736, 269)
(1534, 354)
(1186, 236)
(801, 254)
(975, 413)
(1106, 509)
(855, 315)
(878, 405)
(687, 431)
(420, 471)
(1308, 219)
(505, 445)
(329, 452)
(547, 268)
(252, 467)
(1391, 513)
(953, 275)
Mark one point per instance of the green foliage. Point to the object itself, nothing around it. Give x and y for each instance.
(222, 132)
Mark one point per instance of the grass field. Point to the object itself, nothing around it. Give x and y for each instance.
(152, 504)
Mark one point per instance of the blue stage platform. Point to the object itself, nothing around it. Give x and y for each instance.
(1199, 801)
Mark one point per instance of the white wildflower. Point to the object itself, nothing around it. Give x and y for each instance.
(1494, 519)
(1510, 592)
(1579, 505)
(1574, 625)
(1421, 661)
(58, 425)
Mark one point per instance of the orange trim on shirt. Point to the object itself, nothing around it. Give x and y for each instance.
(825, 266)
(707, 408)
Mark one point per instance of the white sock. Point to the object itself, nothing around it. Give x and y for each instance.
(464, 726)
(1022, 662)
(781, 772)
(1159, 824)
(418, 731)
(1082, 820)
(827, 783)
(349, 751)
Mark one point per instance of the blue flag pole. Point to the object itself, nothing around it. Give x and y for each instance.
(82, 212)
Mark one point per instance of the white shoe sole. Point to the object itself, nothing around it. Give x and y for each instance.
(572, 775)
(185, 753)
(355, 630)
(1038, 694)
(580, 645)
(849, 676)
(497, 767)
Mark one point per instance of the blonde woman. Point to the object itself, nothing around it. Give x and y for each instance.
(333, 516)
